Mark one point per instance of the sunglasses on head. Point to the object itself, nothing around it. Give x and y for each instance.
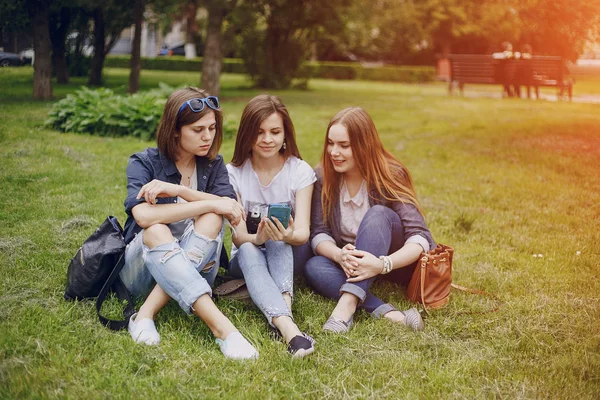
(197, 104)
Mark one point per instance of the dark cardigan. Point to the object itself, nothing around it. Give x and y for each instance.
(412, 219)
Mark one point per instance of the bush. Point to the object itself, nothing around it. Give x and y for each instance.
(324, 69)
(175, 63)
(353, 70)
(398, 74)
(101, 112)
(78, 64)
(333, 70)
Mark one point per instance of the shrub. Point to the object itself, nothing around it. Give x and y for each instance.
(398, 74)
(78, 64)
(333, 70)
(103, 113)
(175, 63)
(312, 69)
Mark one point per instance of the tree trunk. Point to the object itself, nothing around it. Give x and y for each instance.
(59, 28)
(134, 75)
(42, 67)
(213, 57)
(99, 53)
(191, 29)
(59, 60)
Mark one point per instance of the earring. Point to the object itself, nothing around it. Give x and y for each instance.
(284, 147)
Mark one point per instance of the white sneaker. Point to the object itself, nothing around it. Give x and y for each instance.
(143, 331)
(236, 347)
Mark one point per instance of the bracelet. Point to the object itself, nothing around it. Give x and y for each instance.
(387, 264)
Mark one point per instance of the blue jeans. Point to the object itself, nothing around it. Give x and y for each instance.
(185, 268)
(302, 254)
(380, 233)
(268, 272)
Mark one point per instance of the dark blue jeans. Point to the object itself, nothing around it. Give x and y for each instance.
(380, 233)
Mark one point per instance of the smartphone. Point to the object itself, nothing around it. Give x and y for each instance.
(281, 211)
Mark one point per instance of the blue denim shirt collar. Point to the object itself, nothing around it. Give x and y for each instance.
(169, 166)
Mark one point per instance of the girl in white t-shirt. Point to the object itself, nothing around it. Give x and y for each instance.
(266, 168)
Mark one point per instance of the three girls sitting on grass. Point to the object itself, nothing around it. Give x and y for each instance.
(365, 219)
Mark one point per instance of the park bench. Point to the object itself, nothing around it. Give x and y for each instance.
(459, 69)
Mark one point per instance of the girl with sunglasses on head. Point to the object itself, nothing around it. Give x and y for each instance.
(266, 169)
(366, 223)
(178, 197)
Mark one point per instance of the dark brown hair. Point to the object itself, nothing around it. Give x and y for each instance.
(382, 171)
(169, 127)
(256, 111)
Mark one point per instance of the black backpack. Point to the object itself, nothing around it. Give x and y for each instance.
(94, 271)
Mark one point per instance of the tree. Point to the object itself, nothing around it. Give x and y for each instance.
(59, 25)
(213, 55)
(110, 18)
(135, 62)
(14, 19)
(450, 20)
(190, 10)
(18, 15)
(558, 27)
(42, 65)
(277, 38)
(386, 30)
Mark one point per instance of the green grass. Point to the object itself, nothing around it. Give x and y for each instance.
(501, 181)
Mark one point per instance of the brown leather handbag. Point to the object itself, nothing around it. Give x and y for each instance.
(431, 282)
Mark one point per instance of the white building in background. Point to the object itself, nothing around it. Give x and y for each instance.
(152, 39)
(150, 45)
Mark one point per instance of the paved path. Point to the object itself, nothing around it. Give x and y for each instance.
(583, 98)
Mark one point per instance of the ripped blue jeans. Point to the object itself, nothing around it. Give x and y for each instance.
(269, 272)
(185, 268)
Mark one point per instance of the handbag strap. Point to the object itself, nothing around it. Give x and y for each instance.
(117, 285)
(423, 266)
(480, 292)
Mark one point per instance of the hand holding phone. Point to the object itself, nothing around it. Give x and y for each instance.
(280, 211)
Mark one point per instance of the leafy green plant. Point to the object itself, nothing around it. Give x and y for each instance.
(101, 112)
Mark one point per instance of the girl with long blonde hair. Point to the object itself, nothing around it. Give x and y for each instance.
(366, 223)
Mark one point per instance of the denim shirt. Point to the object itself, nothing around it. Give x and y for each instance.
(150, 164)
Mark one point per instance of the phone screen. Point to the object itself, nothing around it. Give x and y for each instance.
(281, 211)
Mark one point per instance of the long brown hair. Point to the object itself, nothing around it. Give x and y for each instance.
(383, 173)
(169, 128)
(256, 111)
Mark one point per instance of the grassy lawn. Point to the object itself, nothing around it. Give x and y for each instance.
(513, 185)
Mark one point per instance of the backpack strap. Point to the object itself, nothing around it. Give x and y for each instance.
(117, 285)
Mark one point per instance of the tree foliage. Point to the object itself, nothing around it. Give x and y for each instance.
(559, 27)
(277, 36)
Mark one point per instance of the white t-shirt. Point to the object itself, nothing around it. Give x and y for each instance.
(295, 174)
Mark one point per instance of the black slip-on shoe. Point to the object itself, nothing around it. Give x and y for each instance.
(301, 345)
